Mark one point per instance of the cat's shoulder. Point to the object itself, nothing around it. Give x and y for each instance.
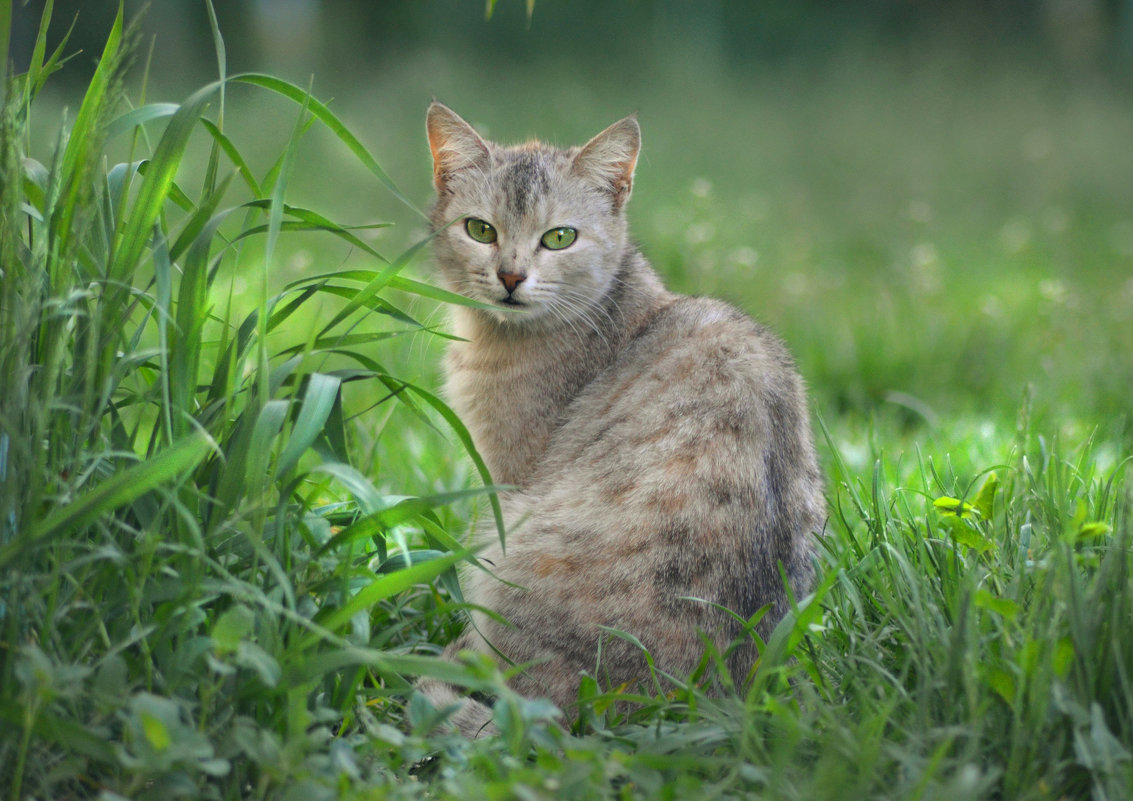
(713, 332)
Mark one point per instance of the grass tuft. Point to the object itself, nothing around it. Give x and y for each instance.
(177, 611)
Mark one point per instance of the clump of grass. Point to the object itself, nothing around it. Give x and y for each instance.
(188, 557)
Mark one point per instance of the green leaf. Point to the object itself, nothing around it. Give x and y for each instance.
(405, 284)
(1004, 607)
(5, 37)
(966, 534)
(465, 437)
(139, 116)
(318, 401)
(232, 627)
(119, 490)
(267, 428)
(1003, 684)
(318, 222)
(1093, 531)
(985, 498)
(363, 296)
(234, 156)
(85, 136)
(951, 506)
(313, 666)
(382, 520)
(327, 117)
(385, 587)
(157, 183)
(253, 657)
(359, 486)
(156, 732)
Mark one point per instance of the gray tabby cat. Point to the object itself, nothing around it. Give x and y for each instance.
(660, 444)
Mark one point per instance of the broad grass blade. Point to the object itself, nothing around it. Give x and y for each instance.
(167, 466)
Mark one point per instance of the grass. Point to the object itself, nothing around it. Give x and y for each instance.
(231, 501)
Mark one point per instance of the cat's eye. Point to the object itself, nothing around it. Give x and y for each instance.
(559, 238)
(480, 230)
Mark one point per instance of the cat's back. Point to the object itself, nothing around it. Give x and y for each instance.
(688, 465)
(699, 378)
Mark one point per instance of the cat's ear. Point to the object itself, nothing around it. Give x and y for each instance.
(455, 145)
(609, 158)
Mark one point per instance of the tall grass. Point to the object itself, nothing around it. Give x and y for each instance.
(188, 558)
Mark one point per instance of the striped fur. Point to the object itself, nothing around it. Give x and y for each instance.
(660, 444)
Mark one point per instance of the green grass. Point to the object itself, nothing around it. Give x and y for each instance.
(231, 500)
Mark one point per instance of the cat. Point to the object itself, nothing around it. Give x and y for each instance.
(659, 444)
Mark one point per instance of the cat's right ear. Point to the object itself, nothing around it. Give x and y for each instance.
(454, 143)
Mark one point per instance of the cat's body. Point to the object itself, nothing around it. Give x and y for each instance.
(660, 444)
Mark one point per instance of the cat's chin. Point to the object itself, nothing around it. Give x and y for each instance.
(514, 312)
(521, 315)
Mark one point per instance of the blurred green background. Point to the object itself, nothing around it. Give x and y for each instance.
(931, 202)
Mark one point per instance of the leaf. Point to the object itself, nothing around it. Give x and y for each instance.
(951, 506)
(251, 656)
(234, 156)
(157, 183)
(1004, 607)
(267, 428)
(318, 401)
(385, 587)
(966, 534)
(984, 503)
(400, 561)
(115, 492)
(465, 437)
(405, 284)
(1093, 531)
(232, 627)
(318, 664)
(359, 486)
(1063, 657)
(382, 520)
(157, 735)
(361, 297)
(139, 116)
(324, 115)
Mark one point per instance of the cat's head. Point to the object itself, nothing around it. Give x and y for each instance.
(531, 229)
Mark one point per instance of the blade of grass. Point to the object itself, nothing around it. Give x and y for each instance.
(406, 509)
(328, 118)
(318, 401)
(465, 438)
(139, 116)
(167, 466)
(383, 588)
(157, 183)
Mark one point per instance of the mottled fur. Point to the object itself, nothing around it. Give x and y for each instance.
(660, 444)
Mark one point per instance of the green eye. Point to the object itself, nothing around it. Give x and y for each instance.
(480, 230)
(559, 238)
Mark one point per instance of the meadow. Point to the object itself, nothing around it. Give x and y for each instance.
(233, 499)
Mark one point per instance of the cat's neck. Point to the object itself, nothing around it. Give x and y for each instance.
(511, 383)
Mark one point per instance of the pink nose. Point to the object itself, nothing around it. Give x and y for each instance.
(511, 280)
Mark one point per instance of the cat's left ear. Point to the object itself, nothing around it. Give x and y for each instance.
(610, 157)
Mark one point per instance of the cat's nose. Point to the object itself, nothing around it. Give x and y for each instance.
(511, 280)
